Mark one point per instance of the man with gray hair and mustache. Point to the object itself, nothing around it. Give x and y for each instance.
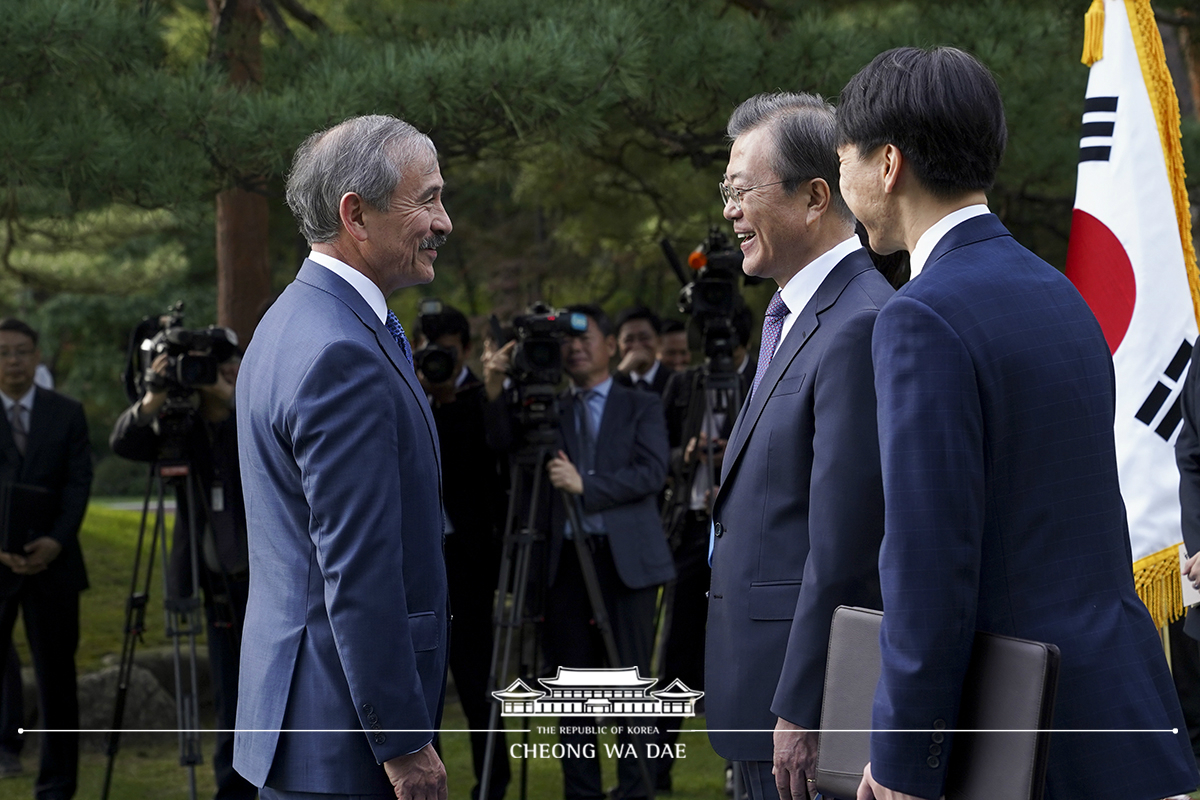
(344, 657)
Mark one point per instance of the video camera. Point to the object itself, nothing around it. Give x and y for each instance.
(192, 355)
(433, 361)
(711, 298)
(536, 364)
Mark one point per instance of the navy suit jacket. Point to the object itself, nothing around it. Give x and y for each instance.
(58, 457)
(1004, 514)
(346, 626)
(1187, 457)
(630, 468)
(801, 515)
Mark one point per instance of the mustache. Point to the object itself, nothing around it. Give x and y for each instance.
(433, 242)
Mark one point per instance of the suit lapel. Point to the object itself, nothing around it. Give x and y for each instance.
(567, 428)
(39, 426)
(326, 280)
(801, 332)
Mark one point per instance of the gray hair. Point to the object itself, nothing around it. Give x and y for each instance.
(364, 155)
(803, 129)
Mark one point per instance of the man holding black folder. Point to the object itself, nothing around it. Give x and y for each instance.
(45, 478)
(1004, 513)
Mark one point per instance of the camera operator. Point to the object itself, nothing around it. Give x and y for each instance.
(474, 500)
(611, 462)
(638, 332)
(209, 444)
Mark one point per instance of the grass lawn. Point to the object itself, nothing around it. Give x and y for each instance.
(109, 539)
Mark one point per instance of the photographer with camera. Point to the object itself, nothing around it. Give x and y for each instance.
(195, 423)
(610, 463)
(474, 498)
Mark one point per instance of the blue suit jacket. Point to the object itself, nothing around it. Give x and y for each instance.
(801, 513)
(630, 467)
(996, 402)
(346, 623)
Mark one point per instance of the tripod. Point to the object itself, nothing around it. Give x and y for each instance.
(527, 467)
(715, 396)
(182, 618)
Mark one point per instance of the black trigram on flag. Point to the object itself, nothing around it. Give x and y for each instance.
(1161, 393)
(1099, 118)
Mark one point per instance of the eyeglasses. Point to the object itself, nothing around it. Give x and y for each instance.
(21, 353)
(734, 194)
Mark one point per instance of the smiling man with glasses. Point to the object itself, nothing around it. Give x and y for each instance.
(45, 478)
(800, 494)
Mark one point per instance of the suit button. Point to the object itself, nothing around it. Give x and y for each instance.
(380, 739)
(718, 529)
(939, 737)
(933, 762)
(367, 707)
(939, 724)
(935, 749)
(372, 719)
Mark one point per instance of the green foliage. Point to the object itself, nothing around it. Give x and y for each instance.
(575, 135)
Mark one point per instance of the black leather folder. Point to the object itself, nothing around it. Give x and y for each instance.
(1008, 694)
(25, 513)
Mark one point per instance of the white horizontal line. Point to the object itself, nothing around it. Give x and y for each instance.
(932, 730)
(271, 730)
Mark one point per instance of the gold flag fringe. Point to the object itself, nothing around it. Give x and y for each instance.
(1158, 584)
(1093, 33)
(1166, 112)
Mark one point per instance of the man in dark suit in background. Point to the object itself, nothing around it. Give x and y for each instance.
(799, 514)
(611, 465)
(638, 331)
(474, 503)
(346, 626)
(44, 447)
(1185, 650)
(996, 403)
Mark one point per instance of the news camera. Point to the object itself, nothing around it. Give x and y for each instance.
(192, 355)
(536, 366)
(711, 298)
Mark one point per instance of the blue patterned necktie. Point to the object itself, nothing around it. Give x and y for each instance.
(772, 328)
(397, 331)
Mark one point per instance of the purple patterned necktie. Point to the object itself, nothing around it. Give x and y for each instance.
(772, 327)
(397, 331)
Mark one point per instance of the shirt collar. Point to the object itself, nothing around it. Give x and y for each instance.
(930, 238)
(804, 284)
(361, 283)
(25, 400)
(600, 389)
(647, 376)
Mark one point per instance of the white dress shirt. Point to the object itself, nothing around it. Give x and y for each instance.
(930, 238)
(804, 284)
(361, 283)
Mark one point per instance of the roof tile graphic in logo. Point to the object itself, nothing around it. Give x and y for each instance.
(620, 692)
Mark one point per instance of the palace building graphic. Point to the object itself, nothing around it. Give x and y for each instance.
(619, 692)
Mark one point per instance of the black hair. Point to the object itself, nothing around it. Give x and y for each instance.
(596, 313)
(673, 326)
(940, 107)
(14, 324)
(449, 320)
(804, 133)
(639, 312)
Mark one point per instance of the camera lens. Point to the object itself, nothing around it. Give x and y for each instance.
(435, 364)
